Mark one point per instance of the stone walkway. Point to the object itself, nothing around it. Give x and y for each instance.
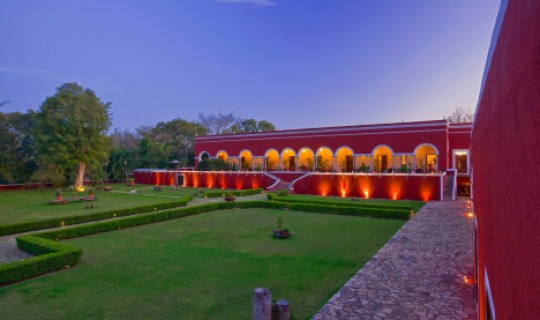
(418, 274)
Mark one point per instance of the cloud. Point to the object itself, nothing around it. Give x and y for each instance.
(263, 3)
(22, 71)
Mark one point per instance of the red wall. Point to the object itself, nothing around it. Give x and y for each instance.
(401, 137)
(384, 186)
(224, 180)
(506, 167)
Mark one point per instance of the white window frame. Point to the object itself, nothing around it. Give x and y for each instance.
(468, 154)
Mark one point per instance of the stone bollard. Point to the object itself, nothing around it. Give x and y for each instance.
(262, 304)
(283, 310)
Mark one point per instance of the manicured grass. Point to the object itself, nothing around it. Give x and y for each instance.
(32, 205)
(415, 205)
(203, 267)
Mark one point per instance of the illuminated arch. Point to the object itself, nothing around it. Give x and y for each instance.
(324, 159)
(272, 159)
(245, 157)
(288, 159)
(344, 157)
(382, 155)
(222, 154)
(306, 159)
(426, 157)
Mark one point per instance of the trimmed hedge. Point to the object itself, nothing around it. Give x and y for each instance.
(274, 197)
(53, 256)
(57, 222)
(237, 193)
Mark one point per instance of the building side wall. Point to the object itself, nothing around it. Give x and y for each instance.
(506, 166)
(362, 142)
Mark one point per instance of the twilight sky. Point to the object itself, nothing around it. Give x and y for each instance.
(296, 63)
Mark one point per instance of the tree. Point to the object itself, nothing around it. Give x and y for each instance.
(217, 124)
(70, 130)
(460, 115)
(251, 125)
(8, 146)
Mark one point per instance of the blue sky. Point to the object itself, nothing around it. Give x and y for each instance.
(296, 63)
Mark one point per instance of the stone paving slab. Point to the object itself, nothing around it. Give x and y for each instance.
(418, 274)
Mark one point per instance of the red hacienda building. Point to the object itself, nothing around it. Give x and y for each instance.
(407, 160)
(505, 153)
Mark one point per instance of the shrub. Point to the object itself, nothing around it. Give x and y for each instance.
(56, 222)
(341, 203)
(238, 193)
(282, 193)
(52, 256)
(212, 164)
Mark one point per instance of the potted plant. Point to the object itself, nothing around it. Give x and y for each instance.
(281, 233)
(90, 193)
(157, 188)
(58, 194)
(229, 196)
(131, 182)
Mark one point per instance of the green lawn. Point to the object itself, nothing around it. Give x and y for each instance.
(415, 205)
(203, 267)
(32, 205)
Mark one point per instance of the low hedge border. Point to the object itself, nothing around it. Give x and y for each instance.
(238, 193)
(53, 256)
(275, 197)
(70, 220)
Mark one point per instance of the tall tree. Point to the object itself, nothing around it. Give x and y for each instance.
(217, 124)
(460, 115)
(70, 130)
(8, 147)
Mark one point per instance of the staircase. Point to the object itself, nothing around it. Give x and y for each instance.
(448, 192)
(280, 185)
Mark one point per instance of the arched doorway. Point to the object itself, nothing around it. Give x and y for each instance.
(324, 159)
(344, 157)
(222, 155)
(288, 158)
(245, 160)
(382, 156)
(272, 160)
(306, 159)
(426, 157)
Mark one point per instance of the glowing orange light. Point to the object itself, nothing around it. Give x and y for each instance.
(467, 280)
(366, 193)
(343, 194)
(394, 195)
(323, 193)
(470, 214)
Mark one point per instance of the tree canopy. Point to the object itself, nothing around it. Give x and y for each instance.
(71, 130)
(461, 115)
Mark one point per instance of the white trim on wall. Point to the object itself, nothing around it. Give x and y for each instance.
(487, 290)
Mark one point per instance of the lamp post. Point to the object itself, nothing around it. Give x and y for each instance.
(125, 166)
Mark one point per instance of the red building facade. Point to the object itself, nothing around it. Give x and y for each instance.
(505, 164)
(407, 160)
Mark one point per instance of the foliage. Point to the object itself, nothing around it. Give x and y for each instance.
(461, 115)
(212, 164)
(217, 124)
(279, 223)
(50, 256)
(239, 193)
(70, 220)
(70, 130)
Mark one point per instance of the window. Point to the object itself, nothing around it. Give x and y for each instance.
(461, 161)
